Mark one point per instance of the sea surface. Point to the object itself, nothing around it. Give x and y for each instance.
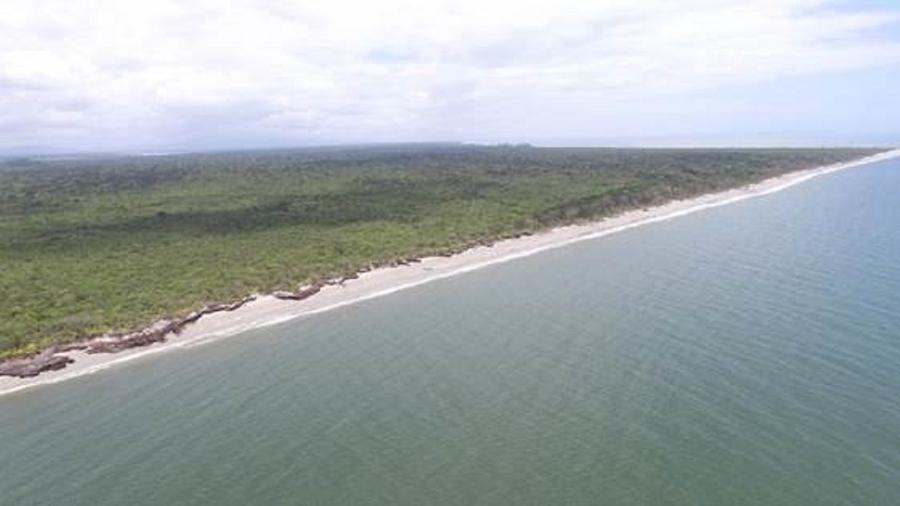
(744, 355)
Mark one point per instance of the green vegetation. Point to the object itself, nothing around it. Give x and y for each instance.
(91, 245)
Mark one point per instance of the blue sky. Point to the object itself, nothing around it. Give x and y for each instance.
(192, 75)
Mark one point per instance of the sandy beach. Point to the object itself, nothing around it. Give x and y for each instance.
(268, 310)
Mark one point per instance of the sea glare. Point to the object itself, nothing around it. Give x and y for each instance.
(744, 355)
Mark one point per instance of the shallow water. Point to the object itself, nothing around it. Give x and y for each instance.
(748, 354)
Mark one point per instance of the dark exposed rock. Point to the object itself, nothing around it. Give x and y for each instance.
(28, 367)
(112, 343)
(303, 293)
(77, 346)
(156, 333)
(215, 308)
(191, 318)
(308, 291)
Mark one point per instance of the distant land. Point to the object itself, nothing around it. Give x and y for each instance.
(99, 244)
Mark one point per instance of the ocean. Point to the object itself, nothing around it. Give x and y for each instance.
(746, 354)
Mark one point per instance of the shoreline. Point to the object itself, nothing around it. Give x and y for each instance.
(265, 310)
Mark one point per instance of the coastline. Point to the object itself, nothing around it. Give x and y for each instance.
(265, 310)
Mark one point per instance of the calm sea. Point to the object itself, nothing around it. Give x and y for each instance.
(749, 354)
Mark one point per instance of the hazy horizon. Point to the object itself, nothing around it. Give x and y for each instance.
(50, 152)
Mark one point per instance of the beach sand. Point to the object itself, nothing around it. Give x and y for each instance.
(268, 310)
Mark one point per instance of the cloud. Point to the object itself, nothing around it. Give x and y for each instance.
(107, 74)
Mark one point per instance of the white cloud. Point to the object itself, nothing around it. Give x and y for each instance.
(108, 74)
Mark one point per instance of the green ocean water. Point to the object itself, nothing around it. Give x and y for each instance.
(745, 355)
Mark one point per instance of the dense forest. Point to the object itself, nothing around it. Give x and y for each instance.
(93, 244)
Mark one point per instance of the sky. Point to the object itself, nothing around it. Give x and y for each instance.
(160, 75)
